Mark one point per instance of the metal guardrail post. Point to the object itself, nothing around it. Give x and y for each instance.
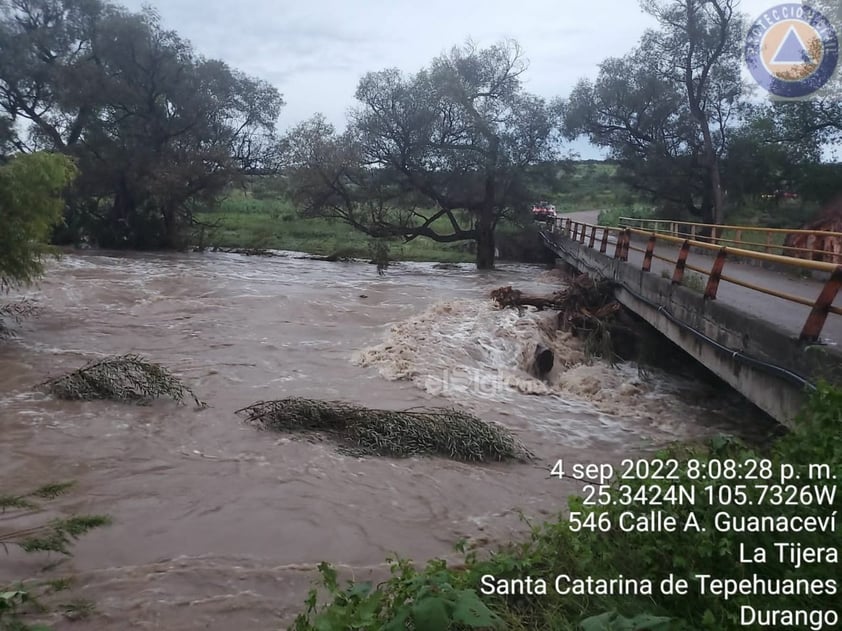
(618, 248)
(582, 234)
(624, 251)
(818, 316)
(604, 245)
(647, 257)
(681, 263)
(593, 237)
(715, 275)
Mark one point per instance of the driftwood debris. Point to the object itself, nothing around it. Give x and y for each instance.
(246, 251)
(582, 302)
(585, 307)
(362, 431)
(125, 378)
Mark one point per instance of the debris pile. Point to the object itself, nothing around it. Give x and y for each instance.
(126, 378)
(362, 431)
(585, 307)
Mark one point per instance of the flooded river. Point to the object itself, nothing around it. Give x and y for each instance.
(218, 526)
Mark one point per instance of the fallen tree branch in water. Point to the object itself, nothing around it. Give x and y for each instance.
(127, 378)
(246, 251)
(585, 307)
(15, 312)
(362, 431)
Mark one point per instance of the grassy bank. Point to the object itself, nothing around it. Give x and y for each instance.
(261, 217)
(243, 221)
(726, 477)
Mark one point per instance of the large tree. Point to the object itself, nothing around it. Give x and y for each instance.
(155, 128)
(666, 109)
(445, 153)
(641, 117)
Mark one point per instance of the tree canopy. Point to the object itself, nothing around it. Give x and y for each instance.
(158, 131)
(154, 127)
(666, 109)
(445, 153)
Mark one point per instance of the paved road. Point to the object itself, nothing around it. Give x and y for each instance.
(787, 315)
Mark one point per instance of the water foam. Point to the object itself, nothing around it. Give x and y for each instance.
(468, 350)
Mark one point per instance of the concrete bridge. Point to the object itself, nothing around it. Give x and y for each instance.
(769, 324)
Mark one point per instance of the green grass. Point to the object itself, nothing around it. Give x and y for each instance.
(587, 542)
(611, 216)
(262, 218)
(242, 221)
(591, 186)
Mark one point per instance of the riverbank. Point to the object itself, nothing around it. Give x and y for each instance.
(683, 562)
(242, 221)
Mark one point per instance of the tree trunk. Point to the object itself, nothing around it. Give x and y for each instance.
(171, 236)
(485, 240)
(714, 177)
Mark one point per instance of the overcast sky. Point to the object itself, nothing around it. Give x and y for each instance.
(315, 51)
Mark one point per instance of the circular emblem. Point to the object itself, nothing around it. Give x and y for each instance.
(792, 50)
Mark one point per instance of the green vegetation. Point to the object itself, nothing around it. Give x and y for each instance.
(244, 220)
(611, 216)
(23, 600)
(460, 140)
(30, 207)
(362, 431)
(590, 185)
(262, 217)
(460, 148)
(155, 127)
(441, 597)
(127, 378)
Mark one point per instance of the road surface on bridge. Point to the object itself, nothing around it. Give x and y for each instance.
(787, 315)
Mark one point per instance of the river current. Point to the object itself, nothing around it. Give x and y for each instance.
(220, 526)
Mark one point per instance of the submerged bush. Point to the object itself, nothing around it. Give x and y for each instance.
(127, 378)
(567, 546)
(12, 313)
(400, 433)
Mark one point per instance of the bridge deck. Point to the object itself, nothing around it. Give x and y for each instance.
(787, 315)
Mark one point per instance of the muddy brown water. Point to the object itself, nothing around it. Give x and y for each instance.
(219, 526)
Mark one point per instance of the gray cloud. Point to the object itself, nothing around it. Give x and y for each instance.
(316, 51)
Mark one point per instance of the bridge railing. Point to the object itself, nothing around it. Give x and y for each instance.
(619, 241)
(822, 245)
